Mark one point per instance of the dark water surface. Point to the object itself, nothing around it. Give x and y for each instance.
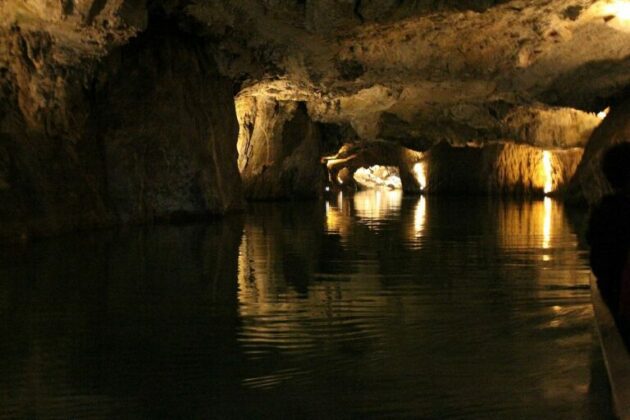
(361, 307)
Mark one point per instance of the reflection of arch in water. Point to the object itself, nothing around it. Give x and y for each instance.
(374, 206)
(370, 208)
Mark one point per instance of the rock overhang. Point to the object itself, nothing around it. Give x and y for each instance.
(432, 74)
(420, 71)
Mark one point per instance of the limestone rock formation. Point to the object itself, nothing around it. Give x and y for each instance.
(589, 183)
(149, 132)
(499, 168)
(107, 115)
(432, 71)
(352, 156)
(279, 148)
(378, 177)
(495, 168)
(168, 127)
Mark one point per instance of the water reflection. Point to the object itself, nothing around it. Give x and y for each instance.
(374, 206)
(396, 289)
(420, 216)
(371, 208)
(547, 227)
(531, 223)
(131, 325)
(425, 307)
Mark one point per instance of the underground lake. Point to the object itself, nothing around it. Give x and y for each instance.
(359, 306)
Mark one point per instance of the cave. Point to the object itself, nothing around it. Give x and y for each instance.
(312, 208)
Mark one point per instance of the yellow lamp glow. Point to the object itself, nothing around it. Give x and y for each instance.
(602, 114)
(620, 9)
(548, 171)
(421, 174)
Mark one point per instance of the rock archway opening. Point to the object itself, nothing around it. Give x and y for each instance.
(378, 176)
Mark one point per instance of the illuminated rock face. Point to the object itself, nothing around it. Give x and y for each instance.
(279, 149)
(149, 133)
(499, 168)
(589, 183)
(424, 72)
(92, 134)
(495, 168)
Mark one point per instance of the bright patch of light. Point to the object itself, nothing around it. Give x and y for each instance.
(339, 180)
(327, 188)
(620, 9)
(602, 114)
(547, 223)
(378, 177)
(373, 206)
(333, 219)
(548, 171)
(421, 174)
(420, 216)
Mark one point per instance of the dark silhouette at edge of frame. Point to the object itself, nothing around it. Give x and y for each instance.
(608, 235)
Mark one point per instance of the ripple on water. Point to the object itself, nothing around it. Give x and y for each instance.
(370, 305)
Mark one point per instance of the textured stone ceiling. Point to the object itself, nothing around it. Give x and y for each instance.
(413, 71)
(420, 74)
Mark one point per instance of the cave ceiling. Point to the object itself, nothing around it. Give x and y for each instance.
(414, 71)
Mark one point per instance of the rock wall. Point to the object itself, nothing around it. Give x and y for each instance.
(549, 127)
(168, 127)
(148, 133)
(279, 149)
(498, 168)
(50, 171)
(589, 183)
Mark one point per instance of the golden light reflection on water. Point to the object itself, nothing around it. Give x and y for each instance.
(372, 205)
(532, 224)
(304, 301)
(420, 217)
(369, 207)
(548, 207)
(338, 218)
